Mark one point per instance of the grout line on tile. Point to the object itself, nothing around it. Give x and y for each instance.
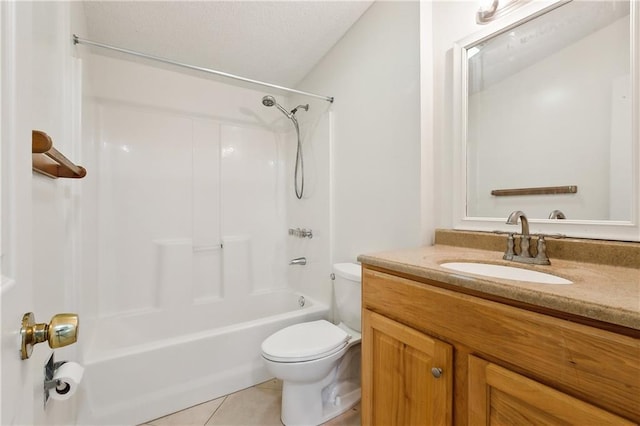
(216, 410)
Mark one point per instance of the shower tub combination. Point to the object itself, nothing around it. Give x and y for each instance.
(186, 242)
(182, 359)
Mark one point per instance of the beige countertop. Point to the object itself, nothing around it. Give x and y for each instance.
(600, 292)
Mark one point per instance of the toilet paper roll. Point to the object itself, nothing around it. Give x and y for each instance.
(68, 376)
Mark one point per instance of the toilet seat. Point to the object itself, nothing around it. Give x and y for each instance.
(305, 342)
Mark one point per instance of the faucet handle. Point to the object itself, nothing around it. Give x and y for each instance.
(508, 255)
(541, 256)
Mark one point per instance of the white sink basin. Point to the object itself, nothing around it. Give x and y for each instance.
(507, 272)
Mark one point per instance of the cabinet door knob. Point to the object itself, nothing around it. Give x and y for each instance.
(436, 372)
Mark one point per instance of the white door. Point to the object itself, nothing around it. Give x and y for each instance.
(37, 81)
(17, 397)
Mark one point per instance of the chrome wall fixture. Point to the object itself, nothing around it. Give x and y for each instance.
(50, 383)
(493, 9)
(301, 233)
(79, 40)
(557, 214)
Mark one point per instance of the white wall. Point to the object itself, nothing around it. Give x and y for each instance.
(374, 74)
(451, 21)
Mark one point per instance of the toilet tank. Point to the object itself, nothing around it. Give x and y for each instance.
(347, 286)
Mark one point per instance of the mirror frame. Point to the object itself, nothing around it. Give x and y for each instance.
(596, 229)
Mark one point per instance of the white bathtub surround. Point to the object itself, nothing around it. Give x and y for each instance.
(174, 260)
(153, 192)
(237, 254)
(190, 178)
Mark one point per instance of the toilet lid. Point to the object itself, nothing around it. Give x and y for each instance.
(304, 342)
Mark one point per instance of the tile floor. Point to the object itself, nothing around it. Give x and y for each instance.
(258, 405)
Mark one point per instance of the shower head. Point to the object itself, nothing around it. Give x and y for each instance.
(268, 101)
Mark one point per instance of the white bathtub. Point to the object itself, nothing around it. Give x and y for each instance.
(150, 364)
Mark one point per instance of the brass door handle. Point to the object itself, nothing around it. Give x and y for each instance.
(61, 331)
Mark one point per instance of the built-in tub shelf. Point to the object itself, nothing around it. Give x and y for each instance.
(545, 190)
(49, 161)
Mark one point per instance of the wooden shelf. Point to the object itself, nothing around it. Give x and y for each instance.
(49, 161)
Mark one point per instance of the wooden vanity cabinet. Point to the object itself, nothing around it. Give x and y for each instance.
(408, 373)
(501, 364)
(500, 396)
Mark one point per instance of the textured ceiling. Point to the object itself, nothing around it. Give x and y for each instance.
(275, 41)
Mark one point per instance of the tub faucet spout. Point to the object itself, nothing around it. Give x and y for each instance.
(298, 261)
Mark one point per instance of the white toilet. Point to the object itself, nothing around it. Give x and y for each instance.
(319, 362)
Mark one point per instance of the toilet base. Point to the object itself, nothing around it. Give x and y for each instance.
(342, 403)
(315, 403)
(303, 407)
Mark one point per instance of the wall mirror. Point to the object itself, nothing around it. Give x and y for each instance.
(546, 119)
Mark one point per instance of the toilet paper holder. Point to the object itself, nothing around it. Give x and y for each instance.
(49, 382)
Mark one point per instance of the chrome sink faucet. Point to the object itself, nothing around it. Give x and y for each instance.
(525, 242)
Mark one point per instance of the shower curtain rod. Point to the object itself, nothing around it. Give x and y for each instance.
(78, 40)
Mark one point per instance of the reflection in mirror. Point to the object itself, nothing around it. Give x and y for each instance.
(494, 9)
(550, 105)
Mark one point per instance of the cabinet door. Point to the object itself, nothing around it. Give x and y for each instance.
(398, 384)
(498, 396)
